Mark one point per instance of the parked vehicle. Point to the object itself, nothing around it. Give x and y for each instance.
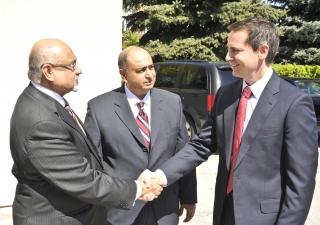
(312, 87)
(196, 82)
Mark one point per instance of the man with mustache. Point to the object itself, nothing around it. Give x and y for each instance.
(138, 127)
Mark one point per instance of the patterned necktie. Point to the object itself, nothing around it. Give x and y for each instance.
(68, 108)
(143, 123)
(241, 115)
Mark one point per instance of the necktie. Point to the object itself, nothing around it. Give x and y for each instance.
(238, 134)
(143, 123)
(68, 108)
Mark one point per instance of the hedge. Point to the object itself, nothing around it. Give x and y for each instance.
(293, 70)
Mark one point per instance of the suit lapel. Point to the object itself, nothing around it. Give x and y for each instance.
(124, 112)
(267, 101)
(65, 116)
(156, 114)
(229, 119)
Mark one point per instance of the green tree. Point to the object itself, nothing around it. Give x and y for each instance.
(192, 29)
(129, 38)
(300, 32)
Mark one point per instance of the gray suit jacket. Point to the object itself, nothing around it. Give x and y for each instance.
(274, 176)
(113, 128)
(60, 174)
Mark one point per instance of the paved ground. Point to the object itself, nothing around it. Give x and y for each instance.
(206, 176)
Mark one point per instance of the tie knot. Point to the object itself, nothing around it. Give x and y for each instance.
(140, 105)
(247, 92)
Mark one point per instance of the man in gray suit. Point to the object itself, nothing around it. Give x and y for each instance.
(267, 176)
(57, 166)
(112, 121)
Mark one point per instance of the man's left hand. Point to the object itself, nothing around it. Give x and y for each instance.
(190, 208)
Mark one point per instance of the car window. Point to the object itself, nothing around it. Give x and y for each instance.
(193, 77)
(166, 76)
(226, 77)
(310, 87)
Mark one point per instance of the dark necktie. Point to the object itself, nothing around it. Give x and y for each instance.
(68, 108)
(241, 115)
(143, 123)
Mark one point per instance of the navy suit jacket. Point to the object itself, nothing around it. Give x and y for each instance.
(274, 176)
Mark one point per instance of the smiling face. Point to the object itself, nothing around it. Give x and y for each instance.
(139, 75)
(245, 62)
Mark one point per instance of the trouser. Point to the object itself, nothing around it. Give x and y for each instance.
(146, 216)
(227, 215)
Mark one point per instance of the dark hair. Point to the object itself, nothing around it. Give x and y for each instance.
(260, 32)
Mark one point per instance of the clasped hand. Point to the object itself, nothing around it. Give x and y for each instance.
(152, 185)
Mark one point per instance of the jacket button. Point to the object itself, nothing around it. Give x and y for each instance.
(144, 149)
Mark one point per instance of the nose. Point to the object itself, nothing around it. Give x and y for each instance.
(149, 72)
(78, 70)
(228, 58)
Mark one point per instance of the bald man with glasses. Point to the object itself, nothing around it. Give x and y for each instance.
(59, 171)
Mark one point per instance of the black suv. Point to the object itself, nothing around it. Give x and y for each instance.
(196, 82)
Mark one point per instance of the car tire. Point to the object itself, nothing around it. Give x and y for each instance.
(191, 128)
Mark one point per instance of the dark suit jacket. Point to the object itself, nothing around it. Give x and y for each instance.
(274, 176)
(59, 173)
(113, 128)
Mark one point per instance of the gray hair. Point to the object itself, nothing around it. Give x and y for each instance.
(36, 60)
(260, 32)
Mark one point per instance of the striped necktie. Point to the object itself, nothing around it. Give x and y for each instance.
(143, 123)
(68, 108)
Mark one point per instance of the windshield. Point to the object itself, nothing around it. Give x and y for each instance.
(310, 87)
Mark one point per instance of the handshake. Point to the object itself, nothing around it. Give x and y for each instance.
(152, 185)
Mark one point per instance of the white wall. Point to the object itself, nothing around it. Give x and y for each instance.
(91, 28)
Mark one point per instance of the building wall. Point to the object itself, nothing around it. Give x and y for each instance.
(91, 28)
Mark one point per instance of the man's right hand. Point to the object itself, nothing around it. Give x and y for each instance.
(151, 189)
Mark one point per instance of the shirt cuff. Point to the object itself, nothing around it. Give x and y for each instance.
(139, 190)
(163, 176)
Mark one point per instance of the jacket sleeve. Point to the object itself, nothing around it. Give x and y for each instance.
(188, 183)
(63, 159)
(300, 161)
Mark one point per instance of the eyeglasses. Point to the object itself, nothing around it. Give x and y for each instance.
(67, 66)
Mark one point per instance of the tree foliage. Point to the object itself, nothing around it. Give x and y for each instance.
(300, 29)
(192, 29)
(129, 38)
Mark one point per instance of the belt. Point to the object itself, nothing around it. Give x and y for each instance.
(230, 195)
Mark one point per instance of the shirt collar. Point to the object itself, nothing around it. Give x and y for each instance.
(134, 100)
(49, 92)
(258, 87)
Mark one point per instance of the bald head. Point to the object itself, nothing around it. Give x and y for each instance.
(122, 60)
(44, 51)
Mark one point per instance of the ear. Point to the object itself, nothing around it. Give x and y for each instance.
(47, 72)
(263, 51)
(123, 75)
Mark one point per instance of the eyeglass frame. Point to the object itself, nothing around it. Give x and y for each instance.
(73, 64)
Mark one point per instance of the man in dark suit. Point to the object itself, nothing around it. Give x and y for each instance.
(111, 120)
(267, 140)
(58, 168)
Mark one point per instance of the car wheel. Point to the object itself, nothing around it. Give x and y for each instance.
(191, 128)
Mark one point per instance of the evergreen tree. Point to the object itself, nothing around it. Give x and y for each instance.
(192, 29)
(300, 29)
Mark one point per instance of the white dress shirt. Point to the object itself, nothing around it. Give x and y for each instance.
(257, 89)
(133, 102)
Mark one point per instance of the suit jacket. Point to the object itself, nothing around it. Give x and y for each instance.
(60, 174)
(112, 125)
(274, 176)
